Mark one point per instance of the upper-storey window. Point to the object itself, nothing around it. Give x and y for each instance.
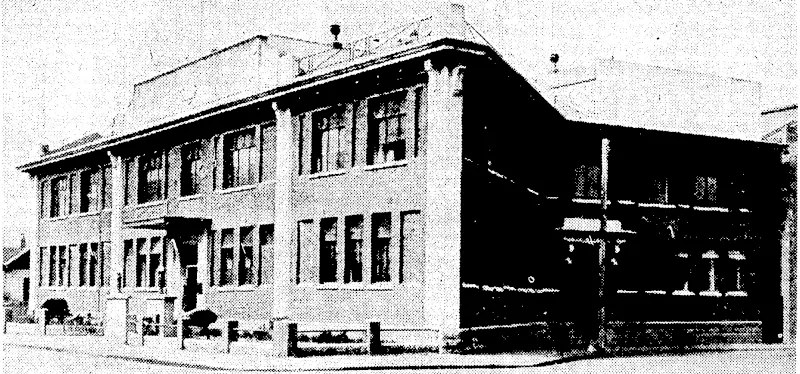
(151, 178)
(240, 159)
(190, 169)
(107, 187)
(705, 189)
(587, 181)
(386, 136)
(331, 143)
(91, 184)
(59, 197)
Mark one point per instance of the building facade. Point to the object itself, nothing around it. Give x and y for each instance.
(409, 181)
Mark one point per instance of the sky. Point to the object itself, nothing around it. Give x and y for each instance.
(69, 67)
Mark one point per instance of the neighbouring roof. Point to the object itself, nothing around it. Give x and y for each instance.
(87, 139)
(655, 98)
(12, 254)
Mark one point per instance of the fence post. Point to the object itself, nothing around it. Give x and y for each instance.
(229, 334)
(374, 337)
(5, 319)
(284, 338)
(180, 324)
(41, 316)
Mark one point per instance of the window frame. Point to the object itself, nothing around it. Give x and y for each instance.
(231, 158)
(328, 256)
(227, 269)
(91, 184)
(381, 249)
(59, 196)
(147, 169)
(245, 274)
(378, 135)
(191, 168)
(354, 249)
(325, 123)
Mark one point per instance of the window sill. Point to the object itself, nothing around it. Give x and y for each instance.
(355, 286)
(148, 204)
(736, 293)
(245, 288)
(580, 200)
(627, 292)
(190, 197)
(683, 293)
(386, 165)
(54, 288)
(327, 174)
(655, 292)
(141, 289)
(236, 189)
(658, 205)
(711, 293)
(711, 209)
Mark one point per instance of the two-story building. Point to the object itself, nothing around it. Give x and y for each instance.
(407, 177)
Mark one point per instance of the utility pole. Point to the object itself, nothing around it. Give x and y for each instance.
(601, 343)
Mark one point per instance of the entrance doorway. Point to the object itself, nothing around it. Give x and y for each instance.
(188, 257)
(580, 298)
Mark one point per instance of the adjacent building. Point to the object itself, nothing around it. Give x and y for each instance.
(411, 177)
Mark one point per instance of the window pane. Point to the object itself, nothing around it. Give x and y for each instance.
(226, 258)
(327, 255)
(82, 264)
(353, 248)
(266, 240)
(386, 122)
(141, 263)
(246, 255)
(381, 241)
(240, 159)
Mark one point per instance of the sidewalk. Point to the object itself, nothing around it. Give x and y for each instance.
(254, 356)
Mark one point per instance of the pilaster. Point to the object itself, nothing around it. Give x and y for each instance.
(283, 220)
(443, 162)
(115, 236)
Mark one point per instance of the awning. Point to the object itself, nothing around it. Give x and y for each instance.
(168, 223)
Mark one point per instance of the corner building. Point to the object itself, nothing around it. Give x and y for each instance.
(404, 181)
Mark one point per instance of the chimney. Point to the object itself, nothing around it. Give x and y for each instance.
(45, 149)
(22, 240)
(452, 22)
(335, 30)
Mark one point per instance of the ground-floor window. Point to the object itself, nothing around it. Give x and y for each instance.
(141, 262)
(246, 239)
(354, 241)
(327, 247)
(226, 269)
(381, 242)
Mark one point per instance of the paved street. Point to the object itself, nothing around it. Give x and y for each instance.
(19, 359)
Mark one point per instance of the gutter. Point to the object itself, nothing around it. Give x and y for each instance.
(298, 84)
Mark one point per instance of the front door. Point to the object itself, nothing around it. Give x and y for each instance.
(190, 288)
(188, 256)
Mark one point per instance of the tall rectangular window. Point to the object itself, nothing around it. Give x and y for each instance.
(190, 169)
(240, 159)
(268, 149)
(354, 240)
(91, 183)
(212, 247)
(71, 251)
(386, 134)
(42, 259)
(62, 264)
(327, 250)
(141, 262)
(94, 261)
(381, 243)
(705, 189)
(155, 261)
(105, 264)
(267, 242)
(53, 265)
(59, 197)
(130, 183)
(127, 274)
(330, 140)
(151, 177)
(587, 181)
(82, 261)
(107, 186)
(246, 271)
(226, 266)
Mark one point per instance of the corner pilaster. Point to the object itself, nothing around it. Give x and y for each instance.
(283, 219)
